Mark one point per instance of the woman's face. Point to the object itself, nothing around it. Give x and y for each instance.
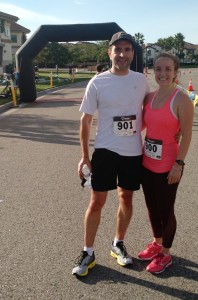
(164, 71)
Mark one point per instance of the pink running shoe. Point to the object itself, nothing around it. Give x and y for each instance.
(150, 252)
(159, 263)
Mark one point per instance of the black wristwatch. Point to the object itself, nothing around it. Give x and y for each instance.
(180, 162)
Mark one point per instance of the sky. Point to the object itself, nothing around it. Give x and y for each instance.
(154, 19)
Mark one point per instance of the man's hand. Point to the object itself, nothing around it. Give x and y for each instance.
(83, 161)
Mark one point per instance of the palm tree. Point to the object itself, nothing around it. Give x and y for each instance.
(179, 44)
(139, 38)
(166, 44)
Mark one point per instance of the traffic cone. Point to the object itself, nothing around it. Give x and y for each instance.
(190, 86)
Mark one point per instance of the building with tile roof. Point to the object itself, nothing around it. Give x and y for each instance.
(12, 37)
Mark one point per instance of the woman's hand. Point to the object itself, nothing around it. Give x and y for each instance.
(175, 174)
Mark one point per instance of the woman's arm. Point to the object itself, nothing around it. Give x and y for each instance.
(185, 113)
(184, 110)
(146, 99)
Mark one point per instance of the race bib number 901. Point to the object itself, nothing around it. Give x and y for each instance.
(124, 126)
(153, 148)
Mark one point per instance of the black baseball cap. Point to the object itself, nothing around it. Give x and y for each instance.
(121, 35)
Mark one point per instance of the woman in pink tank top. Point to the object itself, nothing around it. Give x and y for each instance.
(165, 112)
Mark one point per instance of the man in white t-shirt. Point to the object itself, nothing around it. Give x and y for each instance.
(117, 95)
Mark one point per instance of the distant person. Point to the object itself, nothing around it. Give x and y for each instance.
(99, 69)
(165, 112)
(117, 95)
(12, 71)
(36, 69)
(57, 70)
(16, 78)
(71, 73)
(36, 73)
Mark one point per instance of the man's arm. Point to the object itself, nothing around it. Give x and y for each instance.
(85, 129)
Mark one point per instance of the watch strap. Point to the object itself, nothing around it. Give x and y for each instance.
(180, 162)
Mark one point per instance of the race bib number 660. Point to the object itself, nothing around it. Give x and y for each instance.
(153, 148)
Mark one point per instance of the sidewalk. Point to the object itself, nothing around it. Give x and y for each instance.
(7, 106)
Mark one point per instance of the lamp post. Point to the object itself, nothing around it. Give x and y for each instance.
(146, 60)
(146, 67)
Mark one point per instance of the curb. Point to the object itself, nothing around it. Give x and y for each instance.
(6, 106)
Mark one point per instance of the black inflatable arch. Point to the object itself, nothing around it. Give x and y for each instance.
(61, 33)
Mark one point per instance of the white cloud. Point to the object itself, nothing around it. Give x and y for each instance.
(28, 15)
(33, 20)
(79, 2)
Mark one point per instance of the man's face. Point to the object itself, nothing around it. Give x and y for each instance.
(121, 54)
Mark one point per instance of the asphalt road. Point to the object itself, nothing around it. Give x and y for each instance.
(42, 208)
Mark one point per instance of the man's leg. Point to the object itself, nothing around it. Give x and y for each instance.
(86, 260)
(124, 212)
(92, 217)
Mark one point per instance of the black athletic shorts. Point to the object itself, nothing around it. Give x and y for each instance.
(110, 170)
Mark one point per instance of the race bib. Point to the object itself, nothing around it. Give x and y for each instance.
(153, 148)
(124, 126)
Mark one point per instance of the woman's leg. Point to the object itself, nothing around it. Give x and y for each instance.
(166, 194)
(149, 186)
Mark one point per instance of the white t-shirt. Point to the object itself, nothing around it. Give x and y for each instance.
(117, 96)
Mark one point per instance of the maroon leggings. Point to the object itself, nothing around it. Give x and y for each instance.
(160, 199)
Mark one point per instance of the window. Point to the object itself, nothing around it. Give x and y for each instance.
(7, 31)
(2, 26)
(1, 55)
(14, 38)
(148, 52)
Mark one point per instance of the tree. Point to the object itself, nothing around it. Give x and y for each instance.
(41, 58)
(196, 56)
(166, 44)
(82, 52)
(57, 54)
(179, 44)
(101, 54)
(64, 54)
(139, 38)
(53, 54)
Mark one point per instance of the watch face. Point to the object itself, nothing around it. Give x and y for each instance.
(180, 162)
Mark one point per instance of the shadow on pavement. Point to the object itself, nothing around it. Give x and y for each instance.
(181, 268)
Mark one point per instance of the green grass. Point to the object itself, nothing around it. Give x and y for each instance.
(4, 100)
(63, 80)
